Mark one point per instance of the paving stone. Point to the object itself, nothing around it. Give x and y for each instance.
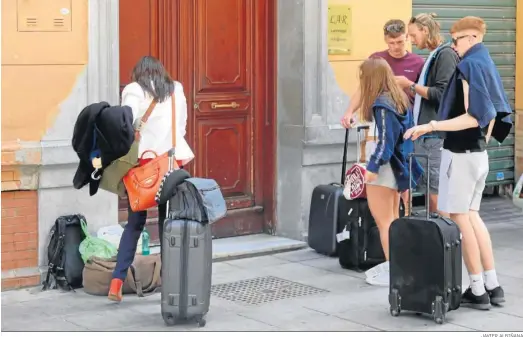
(300, 255)
(218, 321)
(379, 317)
(354, 298)
(512, 306)
(240, 274)
(223, 267)
(42, 323)
(491, 320)
(513, 286)
(118, 316)
(291, 317)
(332, 265)
(257, 262)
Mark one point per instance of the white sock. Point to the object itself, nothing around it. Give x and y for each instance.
(477, 285)
(491, 279)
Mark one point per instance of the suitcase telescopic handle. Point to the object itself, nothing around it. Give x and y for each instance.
(345, 149)
(427, 199)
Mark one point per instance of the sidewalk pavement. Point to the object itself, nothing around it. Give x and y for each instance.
(297, 290)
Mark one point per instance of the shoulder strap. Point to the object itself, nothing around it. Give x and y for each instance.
(173, 106)
(134, 283)
(144, 118)
(55, 263)
(148, 113)
(156, 277)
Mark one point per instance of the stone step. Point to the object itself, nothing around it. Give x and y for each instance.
(248, 246)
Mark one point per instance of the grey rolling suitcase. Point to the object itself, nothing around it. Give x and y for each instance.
(186, 261)
(186, 271)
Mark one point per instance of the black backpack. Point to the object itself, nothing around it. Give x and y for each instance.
(65, 262)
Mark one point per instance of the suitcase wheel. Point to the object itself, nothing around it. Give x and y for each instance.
(169, 319)
(395, 312)
(201, 322)
(394, 301)
(439, 309)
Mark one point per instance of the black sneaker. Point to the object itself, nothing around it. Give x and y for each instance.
(497, 295)
(481, 302)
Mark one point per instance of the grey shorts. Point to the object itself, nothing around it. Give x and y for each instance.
(386, 178)
(462, 181)
(432, 147)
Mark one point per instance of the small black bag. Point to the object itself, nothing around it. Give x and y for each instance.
(65, 262)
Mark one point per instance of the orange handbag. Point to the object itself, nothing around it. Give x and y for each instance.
(142, 182)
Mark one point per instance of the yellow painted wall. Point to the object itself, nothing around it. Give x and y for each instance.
(519, 89)
(44, 50)
(368, 18)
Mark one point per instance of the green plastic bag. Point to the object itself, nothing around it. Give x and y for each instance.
(97, 247)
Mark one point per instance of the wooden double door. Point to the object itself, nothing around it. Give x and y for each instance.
(223, 53)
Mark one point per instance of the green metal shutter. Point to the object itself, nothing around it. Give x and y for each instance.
(500, 16)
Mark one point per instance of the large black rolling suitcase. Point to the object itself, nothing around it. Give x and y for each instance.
(425, 263)
(324, 212)
(359, 245)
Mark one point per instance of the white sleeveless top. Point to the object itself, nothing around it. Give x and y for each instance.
(156, 134)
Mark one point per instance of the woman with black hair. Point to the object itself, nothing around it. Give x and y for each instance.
(151, 81)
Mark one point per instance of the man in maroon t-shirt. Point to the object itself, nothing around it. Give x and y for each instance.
(403, 63)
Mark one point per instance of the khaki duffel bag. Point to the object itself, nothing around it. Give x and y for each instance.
(142, 277)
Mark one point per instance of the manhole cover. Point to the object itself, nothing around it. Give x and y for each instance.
(262, 290)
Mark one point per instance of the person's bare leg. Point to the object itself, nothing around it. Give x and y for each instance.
(471, 253)
(472, 258)
(496, 293)
(483, 240)
(396, 208)
(381, 202)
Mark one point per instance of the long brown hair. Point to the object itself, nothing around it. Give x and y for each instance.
(428, 20)
(377, 78)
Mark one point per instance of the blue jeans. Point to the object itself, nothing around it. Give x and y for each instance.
(131, 235)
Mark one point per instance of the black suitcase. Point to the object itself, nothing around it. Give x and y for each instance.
(362, 247)
(324, 211)
(425, 263)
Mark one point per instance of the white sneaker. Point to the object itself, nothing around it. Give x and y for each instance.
(379, 275)
(380, 280)
(378, 269)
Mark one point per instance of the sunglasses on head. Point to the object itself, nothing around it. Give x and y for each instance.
(394, 28)
(455, 40)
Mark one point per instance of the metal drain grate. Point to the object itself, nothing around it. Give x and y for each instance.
(262, 290)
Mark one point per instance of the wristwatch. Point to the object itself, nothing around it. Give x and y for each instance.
(413, 88)
(433, 125)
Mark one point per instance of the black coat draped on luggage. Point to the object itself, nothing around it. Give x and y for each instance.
(105, 131)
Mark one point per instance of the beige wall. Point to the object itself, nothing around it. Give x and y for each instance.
(44, 50)
(368, 18)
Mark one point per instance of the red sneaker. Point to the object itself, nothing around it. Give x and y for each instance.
(115, 290)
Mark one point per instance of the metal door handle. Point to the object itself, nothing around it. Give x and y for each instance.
(232, 105)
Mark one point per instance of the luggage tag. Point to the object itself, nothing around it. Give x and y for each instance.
(344, 235)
